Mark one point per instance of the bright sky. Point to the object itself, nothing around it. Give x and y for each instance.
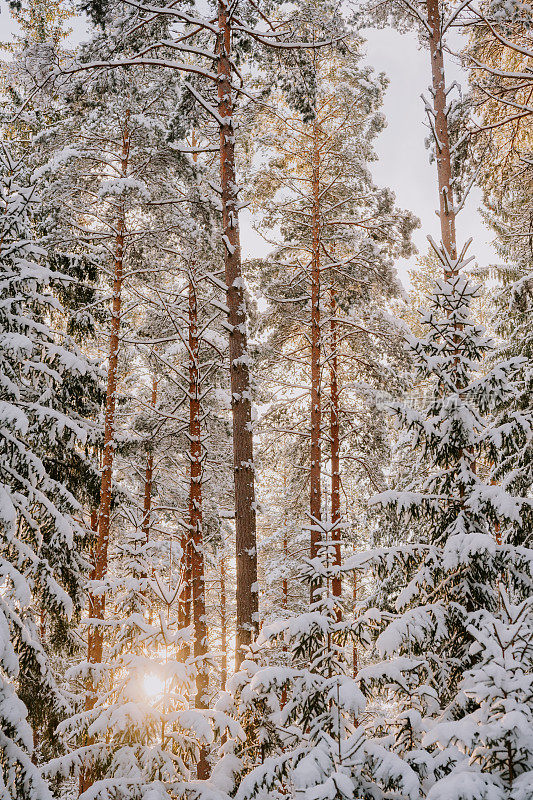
(403, 159)
(403, 162)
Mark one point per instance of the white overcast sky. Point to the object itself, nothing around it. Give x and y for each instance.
(403, 163)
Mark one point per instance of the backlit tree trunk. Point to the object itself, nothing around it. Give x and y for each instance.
(442, 138)
(354, 649)
(97, 602)
(102, 543)
(223, 624)
(85, 780)
(285, 582)
(316, 453)
(149, 477)
(185, 600)
(335, 446)
(195, 514)
(241, 397)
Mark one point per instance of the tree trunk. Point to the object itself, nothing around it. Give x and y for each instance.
(316, 454)
(442, 138)
(241, 397)
(185, 600)
(149, 477)
(335, 449)
(147, 504)
(285, 587)
(85, 780)
(354, 650)
(223, 624)
(97, 602)
(195, 515)
(102, 544)
(285, 582)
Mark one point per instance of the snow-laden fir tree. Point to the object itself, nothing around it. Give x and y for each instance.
(41, 543)
(498, 53)
(508, 209)
(79, 395)
(308, 714)
(430, 590)
(512, 439)
(141, 737)
(497, 736)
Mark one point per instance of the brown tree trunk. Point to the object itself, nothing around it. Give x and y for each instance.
(442, 138)
(335, 448)
(285, 582)
(102, 544)
(195, 515)
(315, 496)
(149, 477)
(85, 780)
(185, 600)
(241, 397)
(447, 212)
(223, 624)
(285, 590)
(354, 651)
(147, 504)
(97, 602)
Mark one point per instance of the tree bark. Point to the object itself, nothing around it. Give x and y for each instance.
(335, 448)
(241, 396)
(102, 543)
(355, 663)
(442, 138)
(315, 496)
(85, 780)
(223, 624)
(185, 599)
(285, 582)
(97, 602)
(195, 515)
(149, 477)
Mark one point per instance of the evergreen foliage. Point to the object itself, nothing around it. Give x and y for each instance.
(495, 737)
(430, 589)
(312, 734)
(42, 543)
(383, 645)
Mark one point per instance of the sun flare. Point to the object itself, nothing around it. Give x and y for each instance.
(153, 686)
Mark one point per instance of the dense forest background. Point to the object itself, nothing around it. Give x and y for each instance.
(265, 519)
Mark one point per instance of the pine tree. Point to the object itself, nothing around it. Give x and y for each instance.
(107, 159)
(331, 279)
(216, 50)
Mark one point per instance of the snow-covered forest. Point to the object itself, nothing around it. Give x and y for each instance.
(265, 514)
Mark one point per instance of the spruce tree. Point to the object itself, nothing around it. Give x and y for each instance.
(429, 590)
(140, 737)
(496, 737)
(308, 714)
(42, 543)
